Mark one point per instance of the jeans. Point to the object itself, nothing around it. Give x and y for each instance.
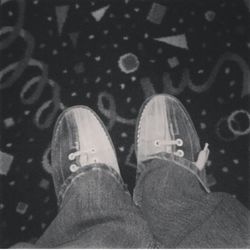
(173, 210)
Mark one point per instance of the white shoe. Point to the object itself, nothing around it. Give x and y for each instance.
(80, 138)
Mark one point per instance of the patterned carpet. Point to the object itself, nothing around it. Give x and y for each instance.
(110, 56)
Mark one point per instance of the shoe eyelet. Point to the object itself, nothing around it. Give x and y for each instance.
(73, 168)
(95, 160)
(93, 150)
(179, 142)
(157, 143)
(71, 156)
(180, 153)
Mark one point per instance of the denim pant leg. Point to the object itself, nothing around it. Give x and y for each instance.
(181, 214)
(96, 212)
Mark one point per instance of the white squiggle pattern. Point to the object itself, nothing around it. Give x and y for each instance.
(229, 123)
(110, 112)
(219, 129)
(186, 80)
(56, 107)
(45, 160)
(129, 156)
(232, 119)
(39, 81)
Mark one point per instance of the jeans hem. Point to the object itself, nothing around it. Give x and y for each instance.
(83, 171)
(142, 169)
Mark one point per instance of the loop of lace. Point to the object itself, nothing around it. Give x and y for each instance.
(178, 142)
(83, 158)
(73, 155)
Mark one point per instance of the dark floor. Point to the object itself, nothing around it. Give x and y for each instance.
(111, 55)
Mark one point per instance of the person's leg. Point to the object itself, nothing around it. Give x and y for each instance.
(171, 187)
(95, 211)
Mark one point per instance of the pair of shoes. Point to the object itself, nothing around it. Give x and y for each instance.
(81, 139)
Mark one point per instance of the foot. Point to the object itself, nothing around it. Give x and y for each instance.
(164, 126)
(80, 138)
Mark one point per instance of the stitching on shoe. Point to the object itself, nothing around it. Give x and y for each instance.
(139, 124)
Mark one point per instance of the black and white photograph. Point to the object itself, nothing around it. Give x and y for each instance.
(125, 124)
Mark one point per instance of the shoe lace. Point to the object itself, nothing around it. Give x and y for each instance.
(202, 156)
(84, 157)
(178, 142)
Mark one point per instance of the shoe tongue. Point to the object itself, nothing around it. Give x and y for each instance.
(83, 160)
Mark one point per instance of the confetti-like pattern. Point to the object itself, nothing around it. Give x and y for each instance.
(111, 56)
(5, 163)
(128, 63)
